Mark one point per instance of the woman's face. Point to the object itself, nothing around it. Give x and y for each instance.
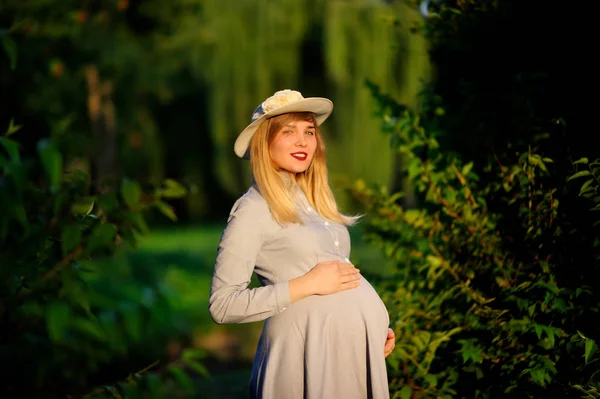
(294, 146)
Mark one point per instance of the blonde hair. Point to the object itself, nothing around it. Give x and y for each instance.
(313, 182)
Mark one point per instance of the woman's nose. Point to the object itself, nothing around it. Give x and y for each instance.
(301, 139)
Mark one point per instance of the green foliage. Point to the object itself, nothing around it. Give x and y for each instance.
(179, 84)
(484, 302)
(77, 311)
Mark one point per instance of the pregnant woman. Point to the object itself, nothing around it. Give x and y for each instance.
(326, 331)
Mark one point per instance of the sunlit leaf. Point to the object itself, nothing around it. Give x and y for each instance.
(172, 189)
(590, 349)
(12, 128)
(431, 379)
(583, 161)
(166, 210)
(83, 207)
(580, 174)
(585, 186)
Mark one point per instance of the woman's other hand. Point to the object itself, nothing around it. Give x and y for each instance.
(390, 343)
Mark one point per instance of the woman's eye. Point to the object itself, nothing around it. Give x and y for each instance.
(310, 132)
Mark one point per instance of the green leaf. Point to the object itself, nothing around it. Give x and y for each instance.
(131, 193)
(155, 385)
(560, 305)
(12, 128)
(590, 349)
(466, 169)
(83, 207)
(133, 324)
(470, 350)
(172, 189)
(478, 373)
(11, 147)
(90, 328)
(583, 161)
(193, 353)
(166, 210)
(406, 392)
(539, 376)
(434, 261)
(182, 378)
(10, 48)
(431, 379)
(197, 367)
(551, 339)
(51, 161)
(70, 237)
(585, 186)
(538, 330)
(580, 174)
(138, 220)
(101, 235)
(57, 319)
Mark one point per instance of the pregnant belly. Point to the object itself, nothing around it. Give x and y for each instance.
(358, 308)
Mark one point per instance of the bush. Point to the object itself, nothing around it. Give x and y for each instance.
(76, 311)
(494, 291)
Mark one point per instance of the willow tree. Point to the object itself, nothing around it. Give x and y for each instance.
(246, 50)
(185, 76)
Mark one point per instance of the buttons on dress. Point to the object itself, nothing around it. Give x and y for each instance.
(283, 309)
(337, 243)
(326, 223)
(347, 260)
(309, 209)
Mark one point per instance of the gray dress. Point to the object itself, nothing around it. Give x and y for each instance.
(320, 347)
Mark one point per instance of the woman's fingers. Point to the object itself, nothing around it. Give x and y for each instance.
(350, 285)
(350, 278)
(348, 270)
(390, 343)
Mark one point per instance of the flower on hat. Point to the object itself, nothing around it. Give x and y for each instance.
(282, 97)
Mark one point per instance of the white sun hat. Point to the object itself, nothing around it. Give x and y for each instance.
(282, 102)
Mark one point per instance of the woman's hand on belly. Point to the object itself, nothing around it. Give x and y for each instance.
(324, 279)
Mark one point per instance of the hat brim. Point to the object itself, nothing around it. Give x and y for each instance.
(321, 107)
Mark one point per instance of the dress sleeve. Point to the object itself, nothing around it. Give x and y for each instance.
(230, 299)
